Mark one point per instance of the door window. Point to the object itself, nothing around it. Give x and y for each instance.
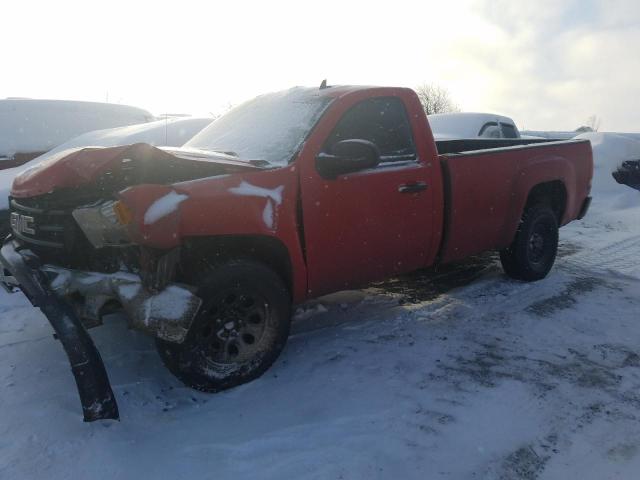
(381, 120)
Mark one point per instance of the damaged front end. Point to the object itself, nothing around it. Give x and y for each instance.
(166, 314)
(77, 254)
(75, 300)
(96, 396)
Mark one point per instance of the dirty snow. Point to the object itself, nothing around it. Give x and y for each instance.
(460, 373)
(164, 206)
(172, 303)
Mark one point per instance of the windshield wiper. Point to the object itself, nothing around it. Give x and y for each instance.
(259, 163)
(230, 153)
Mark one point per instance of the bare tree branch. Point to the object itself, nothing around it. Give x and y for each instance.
(436, 99)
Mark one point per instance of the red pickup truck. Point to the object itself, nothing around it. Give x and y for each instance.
(287, 197)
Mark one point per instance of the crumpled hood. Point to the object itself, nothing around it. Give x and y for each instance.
(77, 167)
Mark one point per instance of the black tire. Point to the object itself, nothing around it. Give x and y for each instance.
(533, 251)
(240, 330)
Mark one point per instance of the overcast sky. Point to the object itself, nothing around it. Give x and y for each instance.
(548, 64)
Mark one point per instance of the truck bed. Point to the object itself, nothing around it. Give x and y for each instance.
(462, 145)
(486, 190)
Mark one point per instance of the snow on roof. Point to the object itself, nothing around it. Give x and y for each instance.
(28, 125)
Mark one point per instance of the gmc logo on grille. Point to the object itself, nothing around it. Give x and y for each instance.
(22, 224)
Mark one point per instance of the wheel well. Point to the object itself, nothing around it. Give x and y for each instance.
(211, 250)
(553, 194)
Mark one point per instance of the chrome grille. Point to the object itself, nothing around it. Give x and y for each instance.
(37, 226)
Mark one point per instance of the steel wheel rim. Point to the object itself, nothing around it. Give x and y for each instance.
(232, 327)
(537, 246)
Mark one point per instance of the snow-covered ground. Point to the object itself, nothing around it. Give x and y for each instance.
(462, 373)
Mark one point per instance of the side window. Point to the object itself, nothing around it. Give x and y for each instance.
(508, 131)
(490, 130)
(382, 121)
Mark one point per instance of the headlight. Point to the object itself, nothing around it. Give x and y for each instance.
(104, 223)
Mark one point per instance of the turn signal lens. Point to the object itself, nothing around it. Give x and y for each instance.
(123, 214)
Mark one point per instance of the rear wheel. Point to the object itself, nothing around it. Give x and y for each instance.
(533, 251)
(239, 331)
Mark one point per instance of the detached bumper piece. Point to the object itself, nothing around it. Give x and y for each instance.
(166, 314)
(96, 396)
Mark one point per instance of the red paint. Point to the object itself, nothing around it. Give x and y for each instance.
(358, 227)
(490, 190)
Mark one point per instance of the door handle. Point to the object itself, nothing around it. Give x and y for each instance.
(412, 187)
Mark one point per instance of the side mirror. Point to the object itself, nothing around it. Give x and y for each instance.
(348, 156)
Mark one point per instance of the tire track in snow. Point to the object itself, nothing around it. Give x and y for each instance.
(620, 257)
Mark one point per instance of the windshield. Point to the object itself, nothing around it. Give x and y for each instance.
(270, 127)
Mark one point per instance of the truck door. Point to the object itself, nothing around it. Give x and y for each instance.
(373, 223)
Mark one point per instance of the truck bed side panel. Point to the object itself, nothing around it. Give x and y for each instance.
(488, 191)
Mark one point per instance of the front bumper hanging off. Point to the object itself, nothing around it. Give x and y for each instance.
(167, 314)
(96, 396)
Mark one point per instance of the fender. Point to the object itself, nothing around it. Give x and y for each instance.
(542, 169)
(262, 203)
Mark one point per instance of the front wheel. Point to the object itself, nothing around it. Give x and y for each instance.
(533, 251)
(240, 330)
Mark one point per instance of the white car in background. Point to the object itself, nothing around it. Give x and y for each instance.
(451, 126)
(30, 127)
(170, 132)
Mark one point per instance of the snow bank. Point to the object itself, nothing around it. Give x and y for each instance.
(609, 151)
(613, 148)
